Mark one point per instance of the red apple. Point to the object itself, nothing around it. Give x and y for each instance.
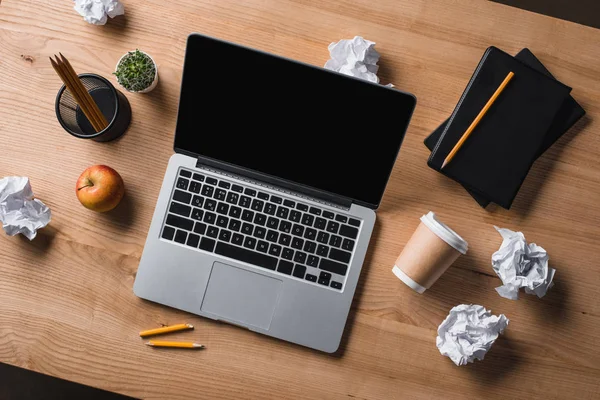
(100, 188)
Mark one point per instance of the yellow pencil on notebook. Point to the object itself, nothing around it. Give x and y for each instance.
(166, 329)
(178, 345)
(470, 129)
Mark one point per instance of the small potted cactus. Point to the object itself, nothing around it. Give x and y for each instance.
(137, 72)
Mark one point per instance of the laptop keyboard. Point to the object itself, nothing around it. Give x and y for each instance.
(268, 231)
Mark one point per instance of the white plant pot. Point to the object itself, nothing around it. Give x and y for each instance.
(154, 82)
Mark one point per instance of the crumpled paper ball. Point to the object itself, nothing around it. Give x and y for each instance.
(356, 57)
(521, 265)
(19, 211)
(96, 11)
(468, 333)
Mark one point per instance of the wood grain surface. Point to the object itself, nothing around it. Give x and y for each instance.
(66, 303)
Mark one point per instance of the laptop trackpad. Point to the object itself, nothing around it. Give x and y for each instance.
(241, 296)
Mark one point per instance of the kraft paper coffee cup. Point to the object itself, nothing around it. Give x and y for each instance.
(432, 248)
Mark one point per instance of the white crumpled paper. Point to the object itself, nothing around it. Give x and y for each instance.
(356, 57)
(521, 265)
(96, 11)
(19, 211)
(468, 332)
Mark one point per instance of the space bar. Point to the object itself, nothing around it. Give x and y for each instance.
(240, 254)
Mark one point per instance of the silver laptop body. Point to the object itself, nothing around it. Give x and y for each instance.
(293, 278)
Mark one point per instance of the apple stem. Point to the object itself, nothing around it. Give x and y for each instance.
(84, 186)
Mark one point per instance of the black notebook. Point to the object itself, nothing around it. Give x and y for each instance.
(497, 156)
(569, 113)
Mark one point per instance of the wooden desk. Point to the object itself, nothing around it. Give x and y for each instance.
(66, 302)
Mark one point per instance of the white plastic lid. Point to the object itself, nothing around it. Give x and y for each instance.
(445, 233)
(406, 279)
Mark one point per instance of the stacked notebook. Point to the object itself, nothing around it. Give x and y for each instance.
(530, 114)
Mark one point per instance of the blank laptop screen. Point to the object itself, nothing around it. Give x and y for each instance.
(290, 120)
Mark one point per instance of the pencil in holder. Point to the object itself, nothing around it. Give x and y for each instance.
(111, 102)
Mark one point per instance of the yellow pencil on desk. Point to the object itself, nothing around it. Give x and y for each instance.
(166, 329)
(178, 345)
(484, 110)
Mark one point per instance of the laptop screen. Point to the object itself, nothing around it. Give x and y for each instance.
(290, 120)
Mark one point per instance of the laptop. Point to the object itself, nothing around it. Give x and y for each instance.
(268, 204)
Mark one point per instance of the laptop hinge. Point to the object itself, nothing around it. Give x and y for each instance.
(275, 183)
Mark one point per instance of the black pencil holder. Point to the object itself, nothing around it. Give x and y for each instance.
(111, 102)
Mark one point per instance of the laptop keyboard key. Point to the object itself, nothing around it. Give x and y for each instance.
(260, 232)
(328, 214)
(275, 250)
(237, 239)
(295, 216)
(241, 254)
(235, 212)
(276, 200)
(257, 205)
(310, 234)
(335, 241)
(185, 173)
(285, 239)
(282, 212)
(285, 267)
(300, 257)
(323, 237)
(298, 230)
(260, 219)
(308, 219)
(322, 250)
(324, 278)
(333, 227)
(312, 261)
(207, 244)
(223, 208)
(225, 235)
(207, 190)
(336, 285)
(247, 228)
(272, 222)
(297, 243)
(245, 201)
(224, 185)
(262, 195)
(222, 221)
(220, 194)
(232, 198)
(348, 244)
(320, 223)
(314, 210)
(197, 214)
(249, 242)
(195, 186)
(310, 278)
(182, 183)
(332, 266)
(272, 235)
(341, 218)
(210, 205)
(211, 181)
(301, 207)
(181, 209)
(247, 215)
(212, 231)
(289, 203)
(270, 208)
(168, 233)
(198, 201)
(250, 192)
(262, 246)
(193, 240)
(183, 197)
(237, 188)
(209, 217)
(349, 231)
(340, 255)
(199, 177)
(180, 236)
(180, 222)
(285, 226)
(288, 254)
(200, 228)
(299, 271)
(235, 225)
(310, 247)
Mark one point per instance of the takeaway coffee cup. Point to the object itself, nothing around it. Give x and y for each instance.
(432, 248)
